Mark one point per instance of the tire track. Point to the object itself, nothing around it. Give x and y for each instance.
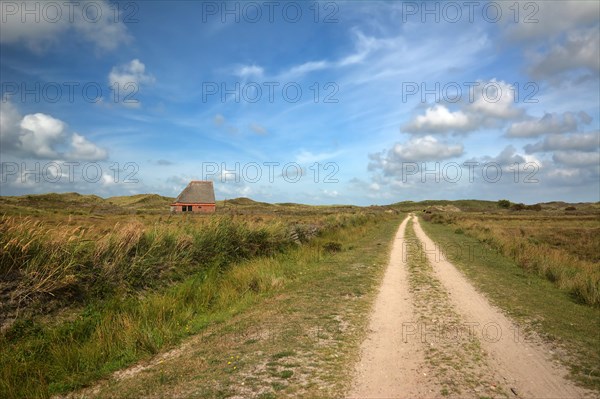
(431, 334)
(527, 368)
(390, 367)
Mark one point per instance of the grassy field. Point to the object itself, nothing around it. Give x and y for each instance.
(297, 339)
(543, 306)
(262, 300)
(560, 247)
(90, 285)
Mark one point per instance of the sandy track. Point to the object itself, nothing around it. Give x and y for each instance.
(392, 368)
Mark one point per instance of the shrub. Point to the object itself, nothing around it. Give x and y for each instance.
(536, 207)
(517, 207)
(504, 204)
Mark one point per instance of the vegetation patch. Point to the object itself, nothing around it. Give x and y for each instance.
(126, 290)
(540, 306)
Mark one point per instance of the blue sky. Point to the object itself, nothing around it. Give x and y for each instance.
(312, 102)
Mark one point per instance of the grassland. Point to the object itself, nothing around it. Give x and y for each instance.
(560, 247)
(545, 307)
(296, 339)
(88, 290)
(89, 286)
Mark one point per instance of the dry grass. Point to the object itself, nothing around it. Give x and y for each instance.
(134, 286)
(563, 249)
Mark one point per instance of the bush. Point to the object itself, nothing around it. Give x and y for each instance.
(504, 204)
(536, 207)
(517, 207)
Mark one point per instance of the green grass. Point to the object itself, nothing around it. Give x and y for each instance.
(41, 357)
(561, 248)
(533, 301)
(294, 340)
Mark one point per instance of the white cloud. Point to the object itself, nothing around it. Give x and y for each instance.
(83, 149)
(506, 158)
(40, 133)
(485, 104)
(548, 124)
(245, 71)
(10, 121)
(331, 193)
(494, 99)
(580, 141)
(42, 136)
(364, 46)
(580, 49)
(426, 148)
(307, 67)
(128, 78)
(417, 149)
(439, 119)
(50, 22)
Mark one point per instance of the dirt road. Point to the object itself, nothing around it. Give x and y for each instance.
(406, 356)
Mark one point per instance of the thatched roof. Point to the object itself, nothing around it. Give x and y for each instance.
(197, 192)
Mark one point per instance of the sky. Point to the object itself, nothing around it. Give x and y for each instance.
(313, 102)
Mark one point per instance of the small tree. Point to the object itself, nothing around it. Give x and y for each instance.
(504, 204)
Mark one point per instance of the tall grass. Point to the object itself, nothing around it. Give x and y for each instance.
(569, 270)
(220, 264)
(75, 263)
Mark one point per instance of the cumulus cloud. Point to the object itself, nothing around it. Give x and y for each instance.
(490, 104)
(556, 142)
(50, 23)
(10, 121)
(494, 99)
(129, 78)
(40, 133)
(507, 157)
(426, 149)
(417, 149)
(439, 119)
(579, 49)
(548, 124)
(41, 136)
(82, 148)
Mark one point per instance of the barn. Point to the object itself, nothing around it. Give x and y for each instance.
(197, 197)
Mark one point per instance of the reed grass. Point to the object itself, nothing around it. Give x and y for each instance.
(142, 288)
